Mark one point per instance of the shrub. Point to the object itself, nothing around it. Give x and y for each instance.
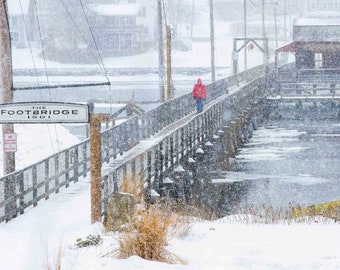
(91, 240)
(146, 237)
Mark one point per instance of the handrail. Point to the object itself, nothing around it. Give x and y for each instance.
(151, 164)
(38, 181)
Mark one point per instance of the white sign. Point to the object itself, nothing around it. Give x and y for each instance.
(43, 112)
(10, 142)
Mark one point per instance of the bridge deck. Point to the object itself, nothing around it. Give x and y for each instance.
(144, 145)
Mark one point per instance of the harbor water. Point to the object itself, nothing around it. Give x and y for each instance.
(289, 162)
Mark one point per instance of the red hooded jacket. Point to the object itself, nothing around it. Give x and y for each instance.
(199, 90)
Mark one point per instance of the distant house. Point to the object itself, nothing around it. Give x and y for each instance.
(121, 29)
(316, 46)
(21, 22)
(254, 28)
(232, 10)
(321, 5)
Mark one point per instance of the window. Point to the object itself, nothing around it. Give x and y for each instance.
(124, 20)
(336, 4)
(114, 41)
(126, 42)
(142, 12)
(14, 20)
(318, 59)
(313, 5)
(324, 5)
(15, 36)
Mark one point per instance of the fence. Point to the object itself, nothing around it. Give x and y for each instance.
(40, 180)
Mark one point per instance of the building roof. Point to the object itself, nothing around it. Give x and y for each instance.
(324, 14)
(288, 47)
(316, 22)
(115, 10)
(18, 7)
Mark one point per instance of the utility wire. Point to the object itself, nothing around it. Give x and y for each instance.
(101, 64)
(42, 45)
(29, 44)
(47, 77)
(98, 51)
(164, 12)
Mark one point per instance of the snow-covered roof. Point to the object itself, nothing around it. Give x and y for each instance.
(315, 21)
(115, 10)
(323, 14)
(18, 7)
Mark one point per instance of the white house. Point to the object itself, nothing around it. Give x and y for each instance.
(21, 22)
(122, 28)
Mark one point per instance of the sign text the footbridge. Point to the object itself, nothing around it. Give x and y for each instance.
(44, 112)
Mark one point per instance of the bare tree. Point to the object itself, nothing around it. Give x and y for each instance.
(179, 13)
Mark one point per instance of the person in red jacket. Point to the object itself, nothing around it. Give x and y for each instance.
(199, 92)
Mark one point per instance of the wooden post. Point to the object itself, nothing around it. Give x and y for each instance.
(212, 40)
(234, 57)
(6, 81)
(168, 62)
(96, 164)
(245, 32)
(6, 96)
(160, 50)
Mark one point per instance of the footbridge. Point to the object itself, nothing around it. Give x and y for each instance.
(163, 150)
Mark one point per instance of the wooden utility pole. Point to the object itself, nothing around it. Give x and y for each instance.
(285, 20)
(168, 62)
(212, 40)
(161, 66)
(96, 164)
(6, 81)
(245, 33)
(265, 45)
(192, 19)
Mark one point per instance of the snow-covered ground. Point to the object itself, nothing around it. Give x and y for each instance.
(228, 243)
(28, 240)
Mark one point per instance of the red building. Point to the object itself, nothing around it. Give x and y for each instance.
(316, 47)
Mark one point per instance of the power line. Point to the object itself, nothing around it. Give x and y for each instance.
(42, 45)
(29, 43)
(98, 51)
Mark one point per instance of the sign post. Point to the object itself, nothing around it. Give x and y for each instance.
(58, 112)
(96, 161)
(10, 142)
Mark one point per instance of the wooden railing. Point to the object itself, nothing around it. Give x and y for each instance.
(40, 180)
(318, 75)
(152, 165)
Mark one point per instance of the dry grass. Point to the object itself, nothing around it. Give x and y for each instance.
(133, 186)
(53, 262)
(147, 236)
(266, 214)
(329, 210)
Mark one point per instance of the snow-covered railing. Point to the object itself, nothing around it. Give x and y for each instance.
(151, 165)
(38, 181)
(318, 75)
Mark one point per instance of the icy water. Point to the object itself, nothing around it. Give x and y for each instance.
(290, 162)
